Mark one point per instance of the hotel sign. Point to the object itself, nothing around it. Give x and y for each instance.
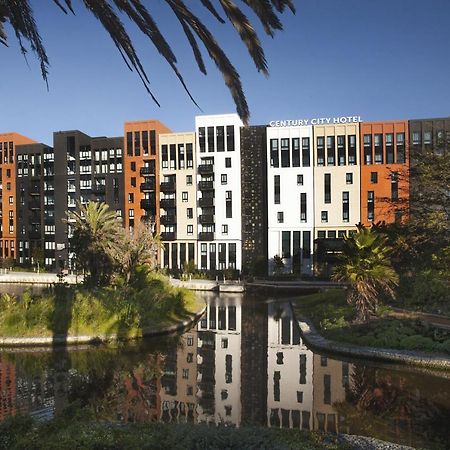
(316, 121)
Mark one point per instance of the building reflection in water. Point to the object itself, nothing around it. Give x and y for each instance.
(243, 363)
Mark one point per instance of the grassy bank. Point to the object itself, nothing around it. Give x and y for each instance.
(74, 310)
(64, 433)
(333, 318)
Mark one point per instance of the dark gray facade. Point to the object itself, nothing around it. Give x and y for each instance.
(254, 199)
(35, 208)
(429, 134)
(86, 169)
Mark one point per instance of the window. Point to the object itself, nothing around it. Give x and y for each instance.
(394, 186)
(201, 139)
(285, 157)
(331, 151)
(230, 138)
(181, 156)
(342, 234)
(305, 152)
(296, 152)
(285, 244)
(374, 177)
(349, 178)
(327, 389)
(324, 216)
(321, 235)
(345, 206)
(189, 180)
(300, 180)
(280, 217)
(184, 196)
(165, 156)
(416, 138)
(224, 229)
(190, 229)
(341, 150)
(131, 213)
(303, 207)
(227, 163)
(228, 205)
(320, 151)
(133, 181)
(220, 139)
(327, 188)
(11, 199)
(280, 358)
(352, 150)
(190, 213)
(378, 142)
(306, 244)
(274, 158)
(370, 205)
(223, 178)
(331, 234)
(427, 138)
(367, 149)
(276, 189)
(131, 198)
(389, 142)
(133, 166)
(210, 131)
(8, 186)
(400, 138)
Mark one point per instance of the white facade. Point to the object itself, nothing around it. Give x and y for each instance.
(289, 371)
(220, 239)
(224, 319)
(290, 197)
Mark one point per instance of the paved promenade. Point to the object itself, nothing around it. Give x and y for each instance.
(36, 278)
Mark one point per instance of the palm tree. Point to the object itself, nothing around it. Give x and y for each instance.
(21, 17)
(366, 268)
(96, 232)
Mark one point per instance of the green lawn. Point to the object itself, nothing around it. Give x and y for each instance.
(79, 433)
(76, 310)
(333, 318)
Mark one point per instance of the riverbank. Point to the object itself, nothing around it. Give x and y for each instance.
(64, 315)
(325, 320)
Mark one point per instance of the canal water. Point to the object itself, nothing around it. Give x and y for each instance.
(243, 363)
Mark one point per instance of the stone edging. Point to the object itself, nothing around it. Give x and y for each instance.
(316, 341)
(101, 338)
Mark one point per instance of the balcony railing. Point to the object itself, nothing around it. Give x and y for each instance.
(167, 186)
(206, 236)
(146, 187)
(206, 185)
(206, 202)
(167, 203)
(168, 236)
(148, 204)
(168, 219)
(147, 171)
(99, 189)
(206, 219)
(205, 168)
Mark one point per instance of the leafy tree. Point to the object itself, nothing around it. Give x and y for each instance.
(366, 268)
(136, 248)
(21, 17)
(278, 264)
(96, 232)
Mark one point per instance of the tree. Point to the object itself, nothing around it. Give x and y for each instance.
(21, 17)
(96, 232)
(366, 268)
(278, 264)
(136, 248)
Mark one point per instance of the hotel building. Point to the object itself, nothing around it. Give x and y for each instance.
(219, 187)
(290, 197)
(336, 180)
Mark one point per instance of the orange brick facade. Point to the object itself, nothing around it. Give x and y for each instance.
(8, 232)
(384, 156)
(141, 171)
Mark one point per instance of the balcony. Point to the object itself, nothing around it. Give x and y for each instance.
(204, 169)
(35, 190)
(206, 185)
(167, 203)
(34, 204)
(148, 187)
(206, 202)
(206, 219)
(147, 172)
(168, 186)
(35, 234)
(99, 189)
(166, 236)
(206, 236)
(148, 204)
(168, 219)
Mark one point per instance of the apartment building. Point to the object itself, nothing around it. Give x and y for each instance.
(219, 187)
(336, 180)
(178, 199)
(141, 171)
(35, 216)
(290, 197)
(384, 160)
(8, 227)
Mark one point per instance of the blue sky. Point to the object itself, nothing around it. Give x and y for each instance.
(381, 60)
